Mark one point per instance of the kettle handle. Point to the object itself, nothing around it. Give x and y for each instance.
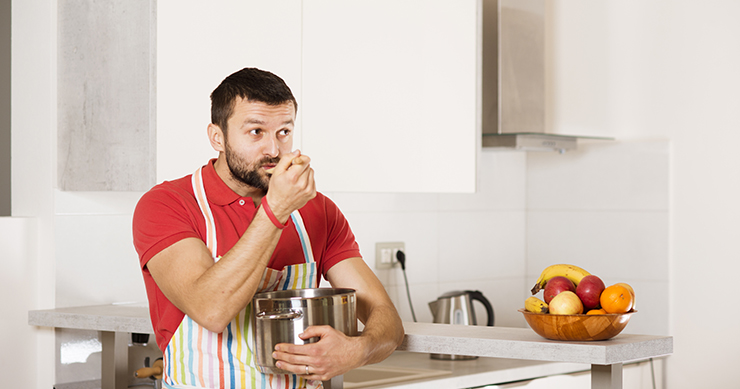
(477, 295)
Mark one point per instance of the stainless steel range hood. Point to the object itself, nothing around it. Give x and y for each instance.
(513, 78)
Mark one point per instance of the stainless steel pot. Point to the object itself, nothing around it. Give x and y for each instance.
(279, 317)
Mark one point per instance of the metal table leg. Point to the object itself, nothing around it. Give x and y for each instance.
(606, 376)
(114, 374)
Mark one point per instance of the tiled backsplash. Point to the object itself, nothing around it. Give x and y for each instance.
(603, 207)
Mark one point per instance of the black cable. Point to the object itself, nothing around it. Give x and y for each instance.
(652, 371)
(402, 260)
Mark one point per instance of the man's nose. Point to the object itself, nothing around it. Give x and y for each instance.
(271, 147)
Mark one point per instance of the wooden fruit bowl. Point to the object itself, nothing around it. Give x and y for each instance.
(577, 327)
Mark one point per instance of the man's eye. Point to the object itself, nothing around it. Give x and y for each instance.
(256, 131)
(284, 132)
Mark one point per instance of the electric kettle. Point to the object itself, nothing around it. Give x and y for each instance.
(457, 308)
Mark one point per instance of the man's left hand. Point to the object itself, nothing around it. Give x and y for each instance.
(331, 356)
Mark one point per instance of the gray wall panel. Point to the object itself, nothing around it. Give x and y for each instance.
(106, 102)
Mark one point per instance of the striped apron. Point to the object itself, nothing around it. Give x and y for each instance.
(198, 358)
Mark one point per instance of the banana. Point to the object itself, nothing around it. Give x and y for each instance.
(571, 272)
(533, 304)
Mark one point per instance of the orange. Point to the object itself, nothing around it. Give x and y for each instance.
(616, 299)
(634, 302)
(596, 312)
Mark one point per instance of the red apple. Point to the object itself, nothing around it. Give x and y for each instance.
(589, 291)
(558, 284)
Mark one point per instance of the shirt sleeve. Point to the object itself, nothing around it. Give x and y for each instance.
(341, 243)
(162, 217)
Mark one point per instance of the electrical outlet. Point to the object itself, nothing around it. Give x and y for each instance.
(385, 254)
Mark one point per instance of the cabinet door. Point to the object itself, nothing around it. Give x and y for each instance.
(390, 94)
(198, 45)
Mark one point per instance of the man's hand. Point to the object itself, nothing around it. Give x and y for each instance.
(335, 353)
(291, 185)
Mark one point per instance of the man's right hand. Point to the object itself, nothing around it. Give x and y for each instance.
(291, 185)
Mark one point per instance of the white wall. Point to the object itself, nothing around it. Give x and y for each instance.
(668, 69)
(18, 260)
(33, 119)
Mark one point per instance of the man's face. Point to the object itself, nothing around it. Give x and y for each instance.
(257, 136)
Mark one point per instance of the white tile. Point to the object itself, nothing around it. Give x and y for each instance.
(474, 245)
(95, 203)
(421, 295)
(652, 305)
(385, 202)
(96, 261)
(618, 175)
(418, 231)
(506, 296)
(612, 245)
(501, 185)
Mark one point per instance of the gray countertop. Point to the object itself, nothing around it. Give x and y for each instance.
(508, 354)
(523, 343)
(498, 342)
(111, 317)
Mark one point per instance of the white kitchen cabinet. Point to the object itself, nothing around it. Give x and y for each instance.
(199, 43)
(390, 94)
(387, 91)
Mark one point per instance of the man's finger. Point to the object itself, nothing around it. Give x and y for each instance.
(293, 158)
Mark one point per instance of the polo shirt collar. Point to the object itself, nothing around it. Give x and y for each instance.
(216, 189)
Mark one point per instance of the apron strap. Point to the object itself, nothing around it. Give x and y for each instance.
(205, 209)
(303, 235)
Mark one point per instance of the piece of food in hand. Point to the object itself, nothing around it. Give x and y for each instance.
(533, 304)
(589, 291)
(557, 285)
(572, 272)
(566, 303)
(296, 161)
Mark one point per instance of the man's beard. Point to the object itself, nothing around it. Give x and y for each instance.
(248, 174)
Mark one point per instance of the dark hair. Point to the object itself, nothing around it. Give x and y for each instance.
(251, 84)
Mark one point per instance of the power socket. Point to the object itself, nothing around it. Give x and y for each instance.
(385, 254)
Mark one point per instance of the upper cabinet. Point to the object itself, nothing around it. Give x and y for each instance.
(391, 94)
(388, 92)
(199, 43)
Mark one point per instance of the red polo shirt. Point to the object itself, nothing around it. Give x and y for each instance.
(169, 213)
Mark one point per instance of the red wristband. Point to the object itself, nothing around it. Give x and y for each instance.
(271, 215)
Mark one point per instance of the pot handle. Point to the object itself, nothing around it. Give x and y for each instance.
(289, 315)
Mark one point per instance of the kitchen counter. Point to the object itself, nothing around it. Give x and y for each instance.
(523, 343)
(114, 321)
(467, 373)
(112, 318)
(604, 357)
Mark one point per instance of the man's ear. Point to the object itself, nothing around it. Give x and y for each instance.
(217, 138)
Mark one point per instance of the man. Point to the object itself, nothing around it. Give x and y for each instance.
(251, 221)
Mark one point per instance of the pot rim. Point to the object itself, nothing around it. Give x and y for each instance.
(304, 294)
